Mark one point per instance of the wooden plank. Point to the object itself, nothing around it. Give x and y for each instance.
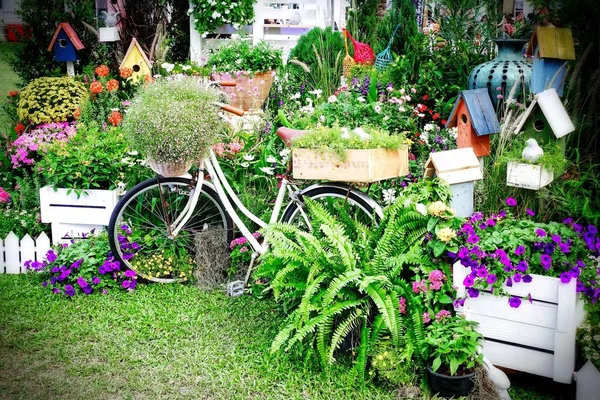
(566, 326)
(514, 332)
(94, 207)
(459, 273)
(11, 251)
(288, 26)
(528, 176)
(537, 313)
(488, 112)
(2, 252)
(27, 251)
(475, 113)
(555, 112)
(519, 358)
(456, 166)
(564, 43)
(42, 245)
(546, 38)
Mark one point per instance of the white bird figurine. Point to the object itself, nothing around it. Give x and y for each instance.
(296, 19)
(110, 19)
(532, 152)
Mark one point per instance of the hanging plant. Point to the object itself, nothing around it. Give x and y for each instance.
(211, 14)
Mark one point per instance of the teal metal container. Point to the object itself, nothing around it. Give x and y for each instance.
(502, 72)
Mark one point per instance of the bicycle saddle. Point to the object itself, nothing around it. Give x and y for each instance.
(289, 134)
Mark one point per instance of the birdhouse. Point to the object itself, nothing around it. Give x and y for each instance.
(546, 120)
(475, 118)
(460, 168)
(65, 44)
(551, 49)
(136, 60)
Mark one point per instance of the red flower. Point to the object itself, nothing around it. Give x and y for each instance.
(421, 107)
(96, 87)
(125, 72)
(102, 71)
(444, 122)
(13, 93)
(115, 118)
(19, 128)
(436, 116)
(425, 97)
(111, 85)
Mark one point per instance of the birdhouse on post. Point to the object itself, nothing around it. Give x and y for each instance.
(460, 168)
(65, 44)
(475, 118)
(546, 120)
(551, 49)
(136, 60)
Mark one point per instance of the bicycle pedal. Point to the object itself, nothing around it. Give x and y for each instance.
(235, 288)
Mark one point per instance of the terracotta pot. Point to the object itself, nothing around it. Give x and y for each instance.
(169, 169)
(251, 90)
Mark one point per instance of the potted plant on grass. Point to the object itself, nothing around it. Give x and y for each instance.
(252, 67)
(454, 353)
(173, 123)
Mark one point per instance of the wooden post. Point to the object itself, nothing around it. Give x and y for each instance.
(195, 42)
(70, 68)
(258, 28)
(11, 246)
(564, 339)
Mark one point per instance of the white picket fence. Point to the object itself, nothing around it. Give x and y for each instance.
(14, 252)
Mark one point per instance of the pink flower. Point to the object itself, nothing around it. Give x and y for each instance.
(426, 318)
(243, 249)
(235, 147)
(402, 305)
(4, 195)
(441, 315)
(219, 149)
(509, 29)
(500, 96)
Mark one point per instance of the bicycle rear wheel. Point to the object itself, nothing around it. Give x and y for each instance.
(139, 233)
(357, 204)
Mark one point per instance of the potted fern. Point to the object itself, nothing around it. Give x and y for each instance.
(252, 67)
(454, 355)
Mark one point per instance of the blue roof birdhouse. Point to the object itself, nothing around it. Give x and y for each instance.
(475, 118)
(551, 49)
(65, 43)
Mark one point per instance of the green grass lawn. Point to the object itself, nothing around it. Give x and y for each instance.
(8, 79)
(161, 341)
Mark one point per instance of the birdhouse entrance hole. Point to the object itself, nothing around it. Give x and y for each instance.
(463, 118)
(136, 68)
(539, 125)
(62, 42)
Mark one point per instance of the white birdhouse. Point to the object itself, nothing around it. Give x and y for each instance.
(460, 168)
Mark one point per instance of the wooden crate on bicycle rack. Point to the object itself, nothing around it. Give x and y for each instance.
(369, 165)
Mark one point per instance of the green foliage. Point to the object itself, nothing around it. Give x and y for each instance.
(178, 32)
(209, 16)
(427, 191)
(241, 55)
(51, 100)
(553, 158)
(402, 12)
(21, 222)
(588, 336)
(394, 365)
(173, 121)
(92, 159)
(454, 344)
(326, 140)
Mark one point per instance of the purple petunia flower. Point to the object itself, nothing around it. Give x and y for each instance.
(56, 291)
(564, 247)
(501, 214)
(468, 281)
(95, 280)
(482, 272)
(568, 221)
(82, 282)
(565, 277)
(491, 278)
(51, 256)
(126, 284)
(522, 266)
(129, 273)
(556, 239)
(527, 278)
(482, 226)
(530, 212)
(69, 290)
(54, 270)
(473, 239)
(88, 289)
(546, 261)
(45, 283)
(520, 250)
(509, 282)
(540, 232)
(473, 293)
(517, 277)
(514, 302)
(490, 222)
(511, 201)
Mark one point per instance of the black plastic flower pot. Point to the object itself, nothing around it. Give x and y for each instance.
(449, 386)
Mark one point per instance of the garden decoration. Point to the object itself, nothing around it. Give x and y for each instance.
(551, 49)
(136, 60)
(460, 168)
(361, 158)
(348, 61)
(110, 32)
(363, 53)
(532, 152)
(475, 118)
(385, 57)
(546, 120)
(65, 44)
(499, 75)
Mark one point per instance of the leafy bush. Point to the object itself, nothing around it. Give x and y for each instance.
(84, 267)
(211, 15)
(173, 121)
(21, 222)
(47, 100)
(241, 55)
(92, 159)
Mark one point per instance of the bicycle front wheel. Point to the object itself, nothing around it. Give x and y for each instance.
(140, 229)
(357, 204)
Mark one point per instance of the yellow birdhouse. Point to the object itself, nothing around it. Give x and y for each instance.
(136, 60)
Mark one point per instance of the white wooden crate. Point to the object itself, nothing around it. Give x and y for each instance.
(538, 337)
(528, 176)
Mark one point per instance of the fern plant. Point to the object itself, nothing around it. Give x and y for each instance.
(343, 278)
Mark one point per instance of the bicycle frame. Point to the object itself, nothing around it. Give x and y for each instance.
(225, 192)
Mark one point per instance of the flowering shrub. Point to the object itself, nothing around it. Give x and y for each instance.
(47, 100)
(211, 14)
(83, 267)
(25, 150)
(241, 253)
(240, 55)
(501, 250)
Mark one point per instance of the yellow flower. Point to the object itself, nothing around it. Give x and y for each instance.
(446, 234)
(437, 208)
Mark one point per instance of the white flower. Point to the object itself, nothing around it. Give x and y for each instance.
(389, 195)
(322, 118)
(167, 66)
(186, 67)
(413, 90)
(332, 98)
(360, 99)
(267, 170)
(453, 132)
(244, 164)
(430, 127)
(421, 115)
(316, 92)
(377, 108)
(295, 96)
(425, 136)
(389, 88)
(308, 109)
(401, 109)
(248, 157)
(422, 208)
(271, 159)
(133, 153)
(285, 153)
(402, 91)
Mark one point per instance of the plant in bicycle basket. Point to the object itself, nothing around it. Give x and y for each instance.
(173, 124)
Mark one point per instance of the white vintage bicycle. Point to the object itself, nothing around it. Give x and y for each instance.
(165, 215)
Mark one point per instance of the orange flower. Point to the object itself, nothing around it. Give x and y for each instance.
(102, 71)
(148, 79)
(115, 118)
(111, 85)
(77, 113)
(126, 72)
(19, 128)
(13, 93)
(96, 87)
